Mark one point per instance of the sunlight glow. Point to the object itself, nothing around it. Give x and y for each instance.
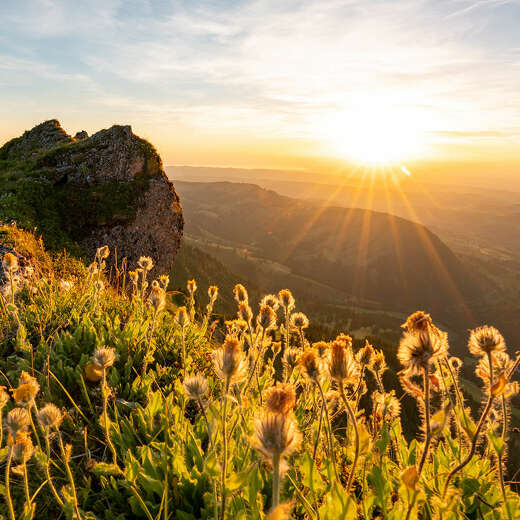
(373, 133)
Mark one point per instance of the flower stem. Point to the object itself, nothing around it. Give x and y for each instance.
(356, 435)
(276, 480)
(69, 475)
(48, 469)
(224, 451)
(427, 441)
(7, 486)
(106, 425)
(329, 430)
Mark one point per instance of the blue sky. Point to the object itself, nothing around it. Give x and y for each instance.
(269, 82)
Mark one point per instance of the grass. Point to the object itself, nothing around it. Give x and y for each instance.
(161, 416)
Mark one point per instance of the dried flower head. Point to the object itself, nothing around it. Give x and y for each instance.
(276, 435)
(102, 252)
(365, 354)
(311, 363)
(417, 351)
(299, 320)
(104, 357)
(286, 300)
(229, 361)
(10, 262)
(290, 358)
(181, 317)
(4, 396)
(196, 387)
(244, 312)
(240, 293)
(22, 446)
(386, 406)
(418, 322)
(455, 363)
(378, 362)
(485, 340)
(50, 416)
(157, 297)
(280, 398)
(145, 263)
(266, 317)
(17, 420)
(321, 347)
(134, 276)
(271, 300)
(345, 339)
(93, 372)
(342, 364)
(164, 280)
(27, 389)
(280, 512)
(191, 285)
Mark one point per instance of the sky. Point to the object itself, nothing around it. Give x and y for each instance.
(279, 84)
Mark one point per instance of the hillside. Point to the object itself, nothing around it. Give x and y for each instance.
(375, 258)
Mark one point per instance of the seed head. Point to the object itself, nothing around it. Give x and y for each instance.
(10, 262)
(290, 358)
(271, 300)
(134, 276)
(240, 293)
(280, 398)
(196, 387)
(27, 389)
(229, 361)
(299, 320)
(164, 280)
(266, 317)
(104, 357)
(286, 300)
(342, 364)
(365, 354)
(311, 363)
(418, 322)
(417, 351)
(93, 372)
(145, 263)
(157, 297)
(244, 312)
(386, 406)
(182, 317)
(23, 448)
(17, 420)
(276, 435)
(213, 293)
(485, 340)
(50, 416)
(4, 396)
(378, 362)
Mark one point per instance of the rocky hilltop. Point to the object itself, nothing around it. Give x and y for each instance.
(81, 192)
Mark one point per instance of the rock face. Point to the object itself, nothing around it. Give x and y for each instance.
(109, 188)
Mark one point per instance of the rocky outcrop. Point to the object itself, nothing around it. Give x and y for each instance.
(109, 188)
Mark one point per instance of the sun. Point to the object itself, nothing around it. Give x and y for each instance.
(374, 134)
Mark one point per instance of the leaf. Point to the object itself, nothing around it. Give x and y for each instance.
(104, 468)
(338, 505)
(500, 386)
(239, 480)
(410, 477)
(497, 442)
(311, 477)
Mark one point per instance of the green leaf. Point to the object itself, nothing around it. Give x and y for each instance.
(311, 478)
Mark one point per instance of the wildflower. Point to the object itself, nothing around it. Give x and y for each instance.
(310, 362)
(280, 398)
(50, 416)
(299, 320)
(502, 363)
(134, 276)
(244, 312)
(213, 293)
(386, 406)
(290, 358)
(266, 317)
(321, 347)
(485, 340)
(196, 387)
(181, 317)
(418, 322)
(4, 396)
(365, 354)
(286, 300)
(103, 252)
(164, 280)
(157, 297)
(10, 262)
(93, 269)
(417, 351)
(65, 285)
(229, 361)
(17, 420)
(410, 477)
(23, 447)
(93, 372)
(280, 512)
(27, 389)
(271, 300)
(191, 285)
(99, 285)
(240, 293)
(344, 339)
(455, 363)
(104, 357)
(145, 263)
(342, 365)
(276, 435)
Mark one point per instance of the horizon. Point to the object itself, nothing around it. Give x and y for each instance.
(314, 86)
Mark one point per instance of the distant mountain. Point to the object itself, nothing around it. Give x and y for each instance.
(343, 255)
